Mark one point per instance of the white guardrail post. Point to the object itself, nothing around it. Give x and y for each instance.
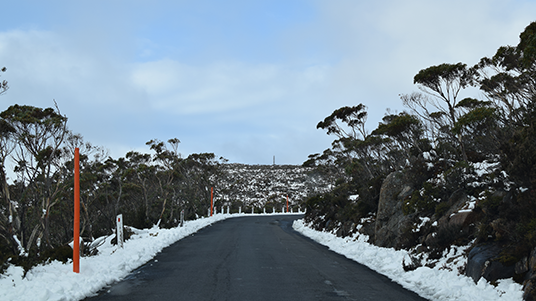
(119, 233)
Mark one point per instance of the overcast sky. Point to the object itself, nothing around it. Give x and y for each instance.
(246, 80)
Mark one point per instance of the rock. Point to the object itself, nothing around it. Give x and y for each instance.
(368, 229)
(462, 219)
(458, 198)
(522, 266)
(452, 217)
(498, 226)
(529, 288)
(346, 229)
(455, 224)
(430, 239)
(532, 260)
(391, 223)
(482, 262)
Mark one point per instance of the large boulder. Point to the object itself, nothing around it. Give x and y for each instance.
(391, 222)
(483, 261)
(456, 224)
(528, 265)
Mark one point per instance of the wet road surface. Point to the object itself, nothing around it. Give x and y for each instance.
(253, 258)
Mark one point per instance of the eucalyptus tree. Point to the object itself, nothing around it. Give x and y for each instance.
(509, 77)
(201, 172)
(39, 134)
(352, 145)
(441, 86)
(508, 80)
(140, 175)
(169, 172)
(405, 136)
(479, 124)
(92, 179)
(9, 219)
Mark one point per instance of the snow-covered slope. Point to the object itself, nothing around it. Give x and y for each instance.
(268, 185)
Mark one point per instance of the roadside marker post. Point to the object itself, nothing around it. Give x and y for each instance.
(287, 203)
(211, 200)
(119, 234)
(182, 217)
(76, 226)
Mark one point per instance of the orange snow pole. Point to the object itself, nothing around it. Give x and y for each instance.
(211, 200)
(287, 203)
(76, 239)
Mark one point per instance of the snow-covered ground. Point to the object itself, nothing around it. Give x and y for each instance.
(56, 281)
(439, 283)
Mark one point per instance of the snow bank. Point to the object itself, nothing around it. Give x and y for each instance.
(438, 283)
(56, 280)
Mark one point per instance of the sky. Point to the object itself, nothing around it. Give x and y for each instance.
(245, 80)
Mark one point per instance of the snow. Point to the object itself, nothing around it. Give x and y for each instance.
(438, 283)
(424, 220)
(485, 167)
(56, 280)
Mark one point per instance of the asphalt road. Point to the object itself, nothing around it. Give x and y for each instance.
(253, 258)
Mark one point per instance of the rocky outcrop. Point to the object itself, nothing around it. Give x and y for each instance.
(527, 267)
(391, 222)
(455, 224)
(484, 261)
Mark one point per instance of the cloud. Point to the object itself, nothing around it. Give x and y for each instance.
(383, 44)
(122, 105)
(41, 62)
(222, 86)
(93, 90)
(242, 92)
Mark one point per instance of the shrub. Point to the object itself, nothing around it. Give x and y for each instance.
(441, 209)
(422, 201)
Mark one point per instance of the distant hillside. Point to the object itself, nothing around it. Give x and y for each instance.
(267, 186)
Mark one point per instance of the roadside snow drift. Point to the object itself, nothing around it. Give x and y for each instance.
(439, 283)
(57, 281)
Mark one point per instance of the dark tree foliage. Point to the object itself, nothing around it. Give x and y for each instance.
(353, 117)
(36, 209)
(439, 144)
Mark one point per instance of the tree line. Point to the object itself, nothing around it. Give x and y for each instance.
(439, 142)
(36, 208)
